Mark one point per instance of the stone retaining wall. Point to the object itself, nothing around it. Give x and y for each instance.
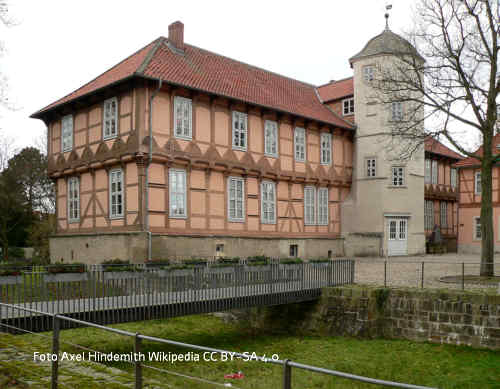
(453, 317)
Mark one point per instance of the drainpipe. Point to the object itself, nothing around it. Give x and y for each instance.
(150, 159)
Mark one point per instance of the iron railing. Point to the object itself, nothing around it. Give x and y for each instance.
(287, 365)
(425, 274)
(140, 293)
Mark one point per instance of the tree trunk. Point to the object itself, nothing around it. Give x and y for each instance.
(487, 241)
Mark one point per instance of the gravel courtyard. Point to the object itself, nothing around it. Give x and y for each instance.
(407, 271)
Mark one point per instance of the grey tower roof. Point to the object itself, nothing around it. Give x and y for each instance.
(386, 43)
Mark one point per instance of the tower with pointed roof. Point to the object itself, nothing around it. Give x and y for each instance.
(384, 214)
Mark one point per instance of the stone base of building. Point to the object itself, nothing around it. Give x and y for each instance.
(364, 244)
(132, 246)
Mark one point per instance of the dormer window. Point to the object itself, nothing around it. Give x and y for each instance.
(348, 106)
(110, 118)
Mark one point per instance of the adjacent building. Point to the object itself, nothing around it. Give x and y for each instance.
(180, 152)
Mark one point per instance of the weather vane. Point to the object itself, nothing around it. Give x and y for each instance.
(387, 8)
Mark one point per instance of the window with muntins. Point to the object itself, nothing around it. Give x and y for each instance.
(397, 111)
(239, 130)
(453, 177)
(477, 183)
(398, 173)
(477, 228)
(444, 215)
(271, 138)
(116, 193)
(428, 179)
(323, 206)
(368, 73)
(110, 118)
(73, 199)
(236, 204)
(326, 148)
(177, 194)
(348, 106)
(268, 202)
(183, 117)
(434, 172)
(309, 205)
(371, 167)
(67, 133)
(300, 144)
(429, 215)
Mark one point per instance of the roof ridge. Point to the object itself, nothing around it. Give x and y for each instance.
(332, 82)
(252, 66)
(95, 78)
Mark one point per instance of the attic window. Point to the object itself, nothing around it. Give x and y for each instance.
(348, 106)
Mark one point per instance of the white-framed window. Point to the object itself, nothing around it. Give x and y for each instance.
(348, 106)
(73, 199)
(183, 117)
(323, 206)
(271, 138)
(239, 130)
(236, 199)
(398, 176)
(116, 193)
(368, 73)
(371, 167)
(397, 111)
(477, 183)
(67, 133)
(177, 193)
(268, 202)
(444, 214)
(477, 228)
(429, 214)
(434, 174)
(110, 118)
(300, 144)
(453, 177)
(428, 171)
(326, 148)
(309, 205)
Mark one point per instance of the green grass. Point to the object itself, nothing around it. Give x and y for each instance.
(442, 366)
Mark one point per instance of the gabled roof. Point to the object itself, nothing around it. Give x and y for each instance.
(205, 71)
(336, 89)
(436, 147)
(470, 161)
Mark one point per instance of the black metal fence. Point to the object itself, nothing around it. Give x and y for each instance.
(426, 274)
(132, 293)
(57, 322)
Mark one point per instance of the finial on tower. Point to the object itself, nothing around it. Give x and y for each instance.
(387, 8)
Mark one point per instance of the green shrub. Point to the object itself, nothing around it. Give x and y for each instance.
(319, 260)
(195, 262)
(57, 268)
(290, 261)
(118, 265)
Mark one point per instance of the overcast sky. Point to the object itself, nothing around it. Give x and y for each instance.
(58, 45)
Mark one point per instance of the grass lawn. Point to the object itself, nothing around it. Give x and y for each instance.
(442, 366)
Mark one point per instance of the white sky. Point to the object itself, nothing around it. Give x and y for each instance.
(59, 45)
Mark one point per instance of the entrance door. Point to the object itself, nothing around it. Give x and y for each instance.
(397, 243)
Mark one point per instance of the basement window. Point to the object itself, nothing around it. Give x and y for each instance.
(294, 250)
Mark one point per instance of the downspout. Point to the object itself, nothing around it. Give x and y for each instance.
(150, 159)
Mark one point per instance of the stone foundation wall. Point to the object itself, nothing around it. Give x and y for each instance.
(452, 317)
(364, 244)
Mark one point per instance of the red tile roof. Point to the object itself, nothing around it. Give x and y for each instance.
(206, 71)
(336, 89)
(434, 146)
(470, 161)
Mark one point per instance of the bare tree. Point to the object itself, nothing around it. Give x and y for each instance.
(455, 90)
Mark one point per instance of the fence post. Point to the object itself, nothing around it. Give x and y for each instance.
(287, 375)
(137, 361)
(422, 284)
(463, 276)
(55, 350)
(385, 274)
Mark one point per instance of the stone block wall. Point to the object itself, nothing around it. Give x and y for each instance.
(453, 317)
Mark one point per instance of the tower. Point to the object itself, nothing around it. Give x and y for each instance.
(384, 213)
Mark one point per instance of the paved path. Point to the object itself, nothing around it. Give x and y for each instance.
(407, 271)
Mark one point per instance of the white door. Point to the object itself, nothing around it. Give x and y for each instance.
(397, 243)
